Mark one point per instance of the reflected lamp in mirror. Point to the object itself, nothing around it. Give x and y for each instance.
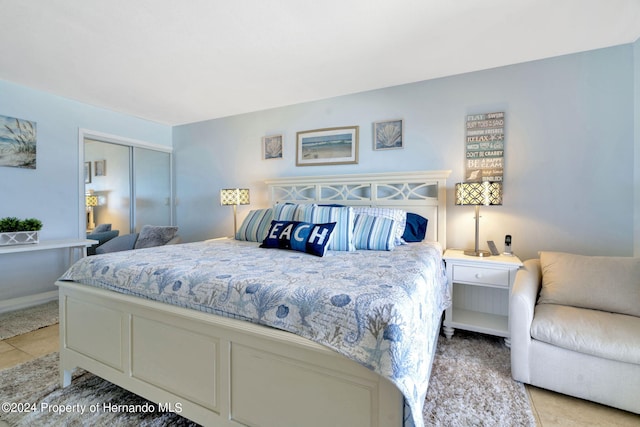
(90, 201)
(478, 194)
(234, 197)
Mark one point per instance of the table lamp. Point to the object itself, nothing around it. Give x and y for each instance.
(90, 202)
(234, 197)
(484, 193)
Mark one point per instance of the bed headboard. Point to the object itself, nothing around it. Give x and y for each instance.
(423, 192)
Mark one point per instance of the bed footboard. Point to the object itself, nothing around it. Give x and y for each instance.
(217, 371)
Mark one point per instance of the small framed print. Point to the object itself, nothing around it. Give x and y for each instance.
(100, 167)
(388, 134)
(330, 146)
(272, 147)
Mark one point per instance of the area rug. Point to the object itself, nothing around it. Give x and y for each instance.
(471, 385)
(29, 319)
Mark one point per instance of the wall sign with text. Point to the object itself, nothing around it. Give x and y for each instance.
(484, 142)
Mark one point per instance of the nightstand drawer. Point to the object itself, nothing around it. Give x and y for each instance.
(489, 276)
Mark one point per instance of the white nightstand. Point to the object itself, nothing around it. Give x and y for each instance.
(480, 289)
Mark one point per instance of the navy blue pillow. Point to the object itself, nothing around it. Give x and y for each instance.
(416, 228)
(299, 236)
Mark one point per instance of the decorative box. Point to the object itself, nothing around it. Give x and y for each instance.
(18, 238)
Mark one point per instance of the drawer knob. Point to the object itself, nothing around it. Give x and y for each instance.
(478, 275)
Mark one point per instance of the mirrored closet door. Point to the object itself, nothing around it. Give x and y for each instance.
(127, 185)
(152, 179)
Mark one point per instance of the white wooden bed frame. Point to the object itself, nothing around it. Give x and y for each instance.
(226, 372)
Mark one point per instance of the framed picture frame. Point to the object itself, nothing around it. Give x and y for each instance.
(272, 147)
(18, 142)
(388, 134)
(329, 146)
(87, 172)
(100, 168)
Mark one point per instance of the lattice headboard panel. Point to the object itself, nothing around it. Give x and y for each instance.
(422, 192)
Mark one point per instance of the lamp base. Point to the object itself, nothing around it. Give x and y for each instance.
(479, 253)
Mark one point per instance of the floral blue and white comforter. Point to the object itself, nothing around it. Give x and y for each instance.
(381, 309)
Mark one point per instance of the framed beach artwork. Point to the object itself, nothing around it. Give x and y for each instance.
(330, 146)
(388, 134)
(272, 147)
(17, 142)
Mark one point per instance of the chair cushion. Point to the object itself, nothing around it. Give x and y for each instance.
(597, 282)
(598, 333)
(154, 235)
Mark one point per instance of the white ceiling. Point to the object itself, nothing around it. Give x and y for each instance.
(178, 62)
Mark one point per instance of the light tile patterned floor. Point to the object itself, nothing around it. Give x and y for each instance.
(550, 409)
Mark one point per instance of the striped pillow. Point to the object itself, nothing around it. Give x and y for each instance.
(398, 215)
(255, 226)
(342, 239)
(287, 211)
(374, 233)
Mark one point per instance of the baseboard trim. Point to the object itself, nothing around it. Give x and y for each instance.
(28, 301)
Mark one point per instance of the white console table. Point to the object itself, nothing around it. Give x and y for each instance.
(77, 247)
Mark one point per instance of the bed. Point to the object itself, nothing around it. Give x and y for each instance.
(154, 331)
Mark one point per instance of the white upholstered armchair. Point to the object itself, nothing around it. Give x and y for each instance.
(580, 333)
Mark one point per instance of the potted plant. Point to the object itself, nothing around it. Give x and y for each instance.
(15, 231)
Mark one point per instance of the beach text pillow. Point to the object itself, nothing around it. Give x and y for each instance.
(299, 236)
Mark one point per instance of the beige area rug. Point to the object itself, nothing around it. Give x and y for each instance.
(471, 385)
(22, 321)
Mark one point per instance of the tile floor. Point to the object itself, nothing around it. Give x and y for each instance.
(550, 409)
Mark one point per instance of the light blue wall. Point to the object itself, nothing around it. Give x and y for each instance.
(569, 153)
(571, 161)
(50, 192)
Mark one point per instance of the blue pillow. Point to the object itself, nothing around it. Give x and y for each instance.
(299, 236)
(416, 228)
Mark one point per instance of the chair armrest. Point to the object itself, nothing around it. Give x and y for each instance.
(120, 243)
(522, 302)
(174, 241)
(102, 237)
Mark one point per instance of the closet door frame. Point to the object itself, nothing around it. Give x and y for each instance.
(128, 142)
